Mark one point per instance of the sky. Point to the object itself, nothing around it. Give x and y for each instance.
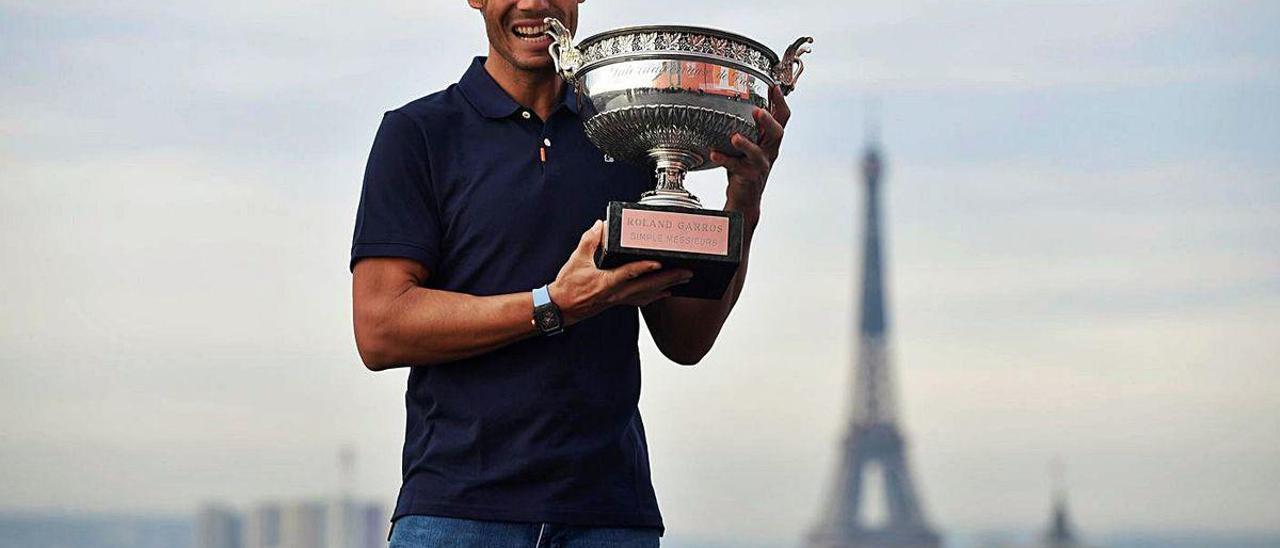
(1083, 249)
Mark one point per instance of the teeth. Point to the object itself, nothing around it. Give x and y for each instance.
(532, 30)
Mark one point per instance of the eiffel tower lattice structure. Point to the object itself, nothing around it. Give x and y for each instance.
(874, 440)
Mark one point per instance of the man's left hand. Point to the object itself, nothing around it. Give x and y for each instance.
(749, 173)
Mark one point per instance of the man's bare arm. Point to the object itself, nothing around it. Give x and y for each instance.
(685, 329)
(399, 322)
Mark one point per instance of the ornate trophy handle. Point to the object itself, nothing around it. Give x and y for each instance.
(566, 57)
(788, 70)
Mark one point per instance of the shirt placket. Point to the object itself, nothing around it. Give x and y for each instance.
(543, 132)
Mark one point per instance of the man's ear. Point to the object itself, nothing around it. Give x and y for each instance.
(479, 4)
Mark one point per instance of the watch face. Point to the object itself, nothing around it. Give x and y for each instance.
(547, 320)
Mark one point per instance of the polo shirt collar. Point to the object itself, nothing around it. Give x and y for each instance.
(479, 88)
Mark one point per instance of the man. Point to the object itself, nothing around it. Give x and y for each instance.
(478, 202)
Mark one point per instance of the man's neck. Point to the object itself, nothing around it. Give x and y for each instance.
(537, 91)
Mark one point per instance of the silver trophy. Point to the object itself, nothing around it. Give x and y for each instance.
(666, 96)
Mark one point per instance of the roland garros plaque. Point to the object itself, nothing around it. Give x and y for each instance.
(666, 96)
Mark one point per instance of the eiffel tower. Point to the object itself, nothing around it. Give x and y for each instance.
(874, 441)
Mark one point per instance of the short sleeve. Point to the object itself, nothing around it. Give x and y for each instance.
(398, 215)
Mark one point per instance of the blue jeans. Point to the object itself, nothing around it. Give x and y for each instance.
(438, 532)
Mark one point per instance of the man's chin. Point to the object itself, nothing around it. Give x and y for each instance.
(536, 64)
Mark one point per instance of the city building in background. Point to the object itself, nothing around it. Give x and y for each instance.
(339, 521)
(342, 523)
(1060, 533)
(874, 442)
(218, 527)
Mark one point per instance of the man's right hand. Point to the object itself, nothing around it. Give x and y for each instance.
(581, 290)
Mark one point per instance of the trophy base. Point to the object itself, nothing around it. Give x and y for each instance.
(706, 242)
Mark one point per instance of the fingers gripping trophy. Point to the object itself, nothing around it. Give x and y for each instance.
(667, 96)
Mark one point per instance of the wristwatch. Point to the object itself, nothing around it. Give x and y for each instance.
(546, 315)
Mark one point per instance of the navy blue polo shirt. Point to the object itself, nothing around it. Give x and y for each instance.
(493, 200)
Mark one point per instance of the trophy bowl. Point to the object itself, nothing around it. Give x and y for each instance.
(668, 95)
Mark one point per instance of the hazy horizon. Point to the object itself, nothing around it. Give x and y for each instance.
(147, 531)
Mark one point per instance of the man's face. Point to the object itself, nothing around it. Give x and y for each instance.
(515, 28)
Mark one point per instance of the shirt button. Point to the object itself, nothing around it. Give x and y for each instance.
(525, 114)
(546, 142)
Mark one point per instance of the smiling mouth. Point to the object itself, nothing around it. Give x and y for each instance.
(531, 33)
